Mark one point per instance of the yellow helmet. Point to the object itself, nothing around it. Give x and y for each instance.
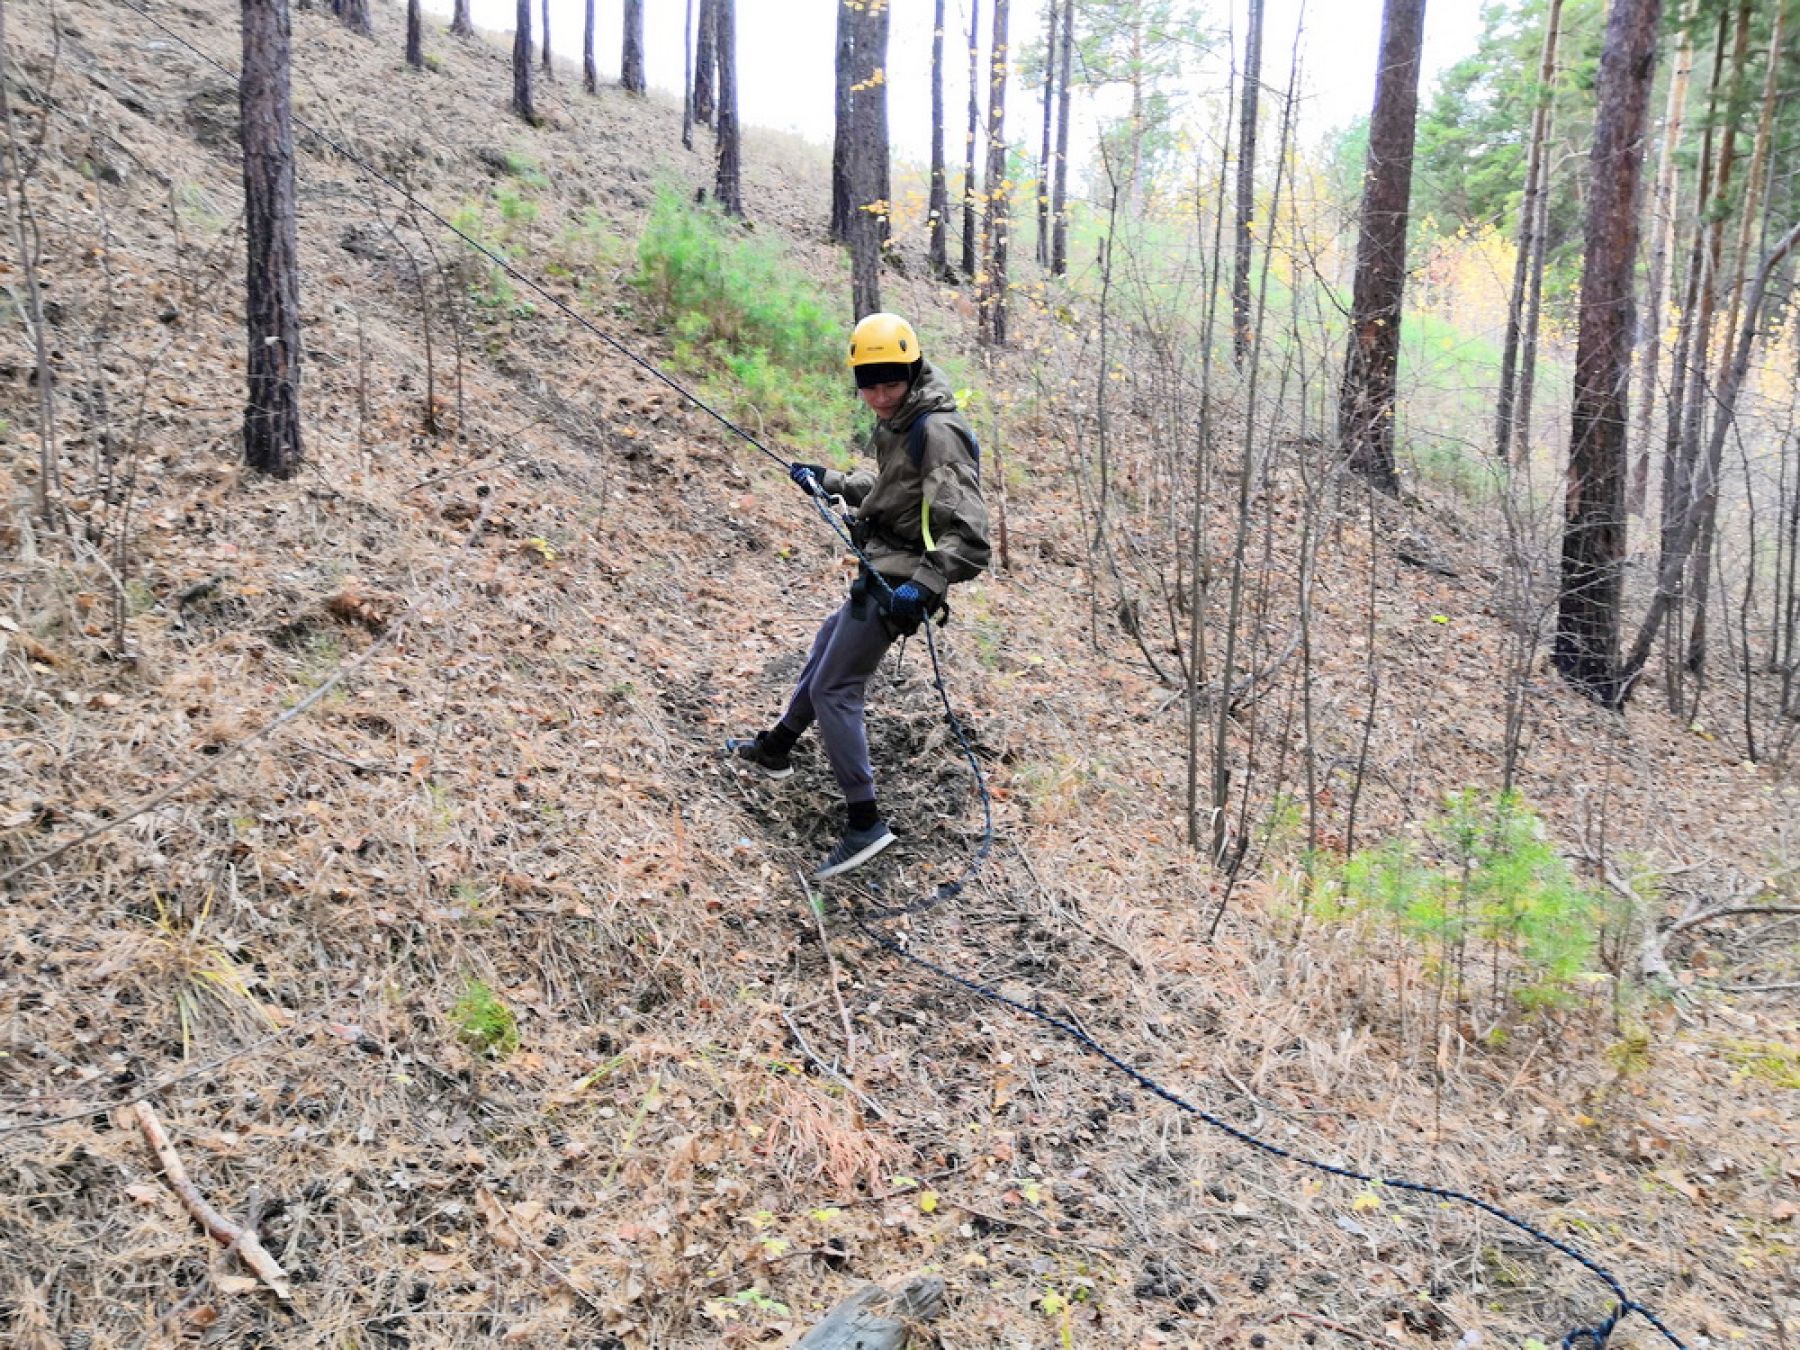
(883, 339)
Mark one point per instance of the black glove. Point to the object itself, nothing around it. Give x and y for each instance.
(809, 478)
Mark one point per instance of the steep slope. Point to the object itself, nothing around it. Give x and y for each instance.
(493, 992)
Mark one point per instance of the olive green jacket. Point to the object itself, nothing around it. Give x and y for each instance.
(926, 521)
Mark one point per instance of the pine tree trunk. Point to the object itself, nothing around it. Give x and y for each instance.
(415, 36)
(868, 158)
(1246, 184)
(1366, 401)
(706, 63)
(843, 139)
(687, 73)
(1534, 308)
(590, 72)
(631, 58)
(1748, 211)
(521, 95)
(726, 185)
(1043, 183)
(1586, 648)
(461, 24)
(997, 221)
(937, 255)
(272, 248)
(1650, 321)
(1530, 214)
(356, 16)
(876, 25)
(1059, 201)
(549, 68)
(969, 239)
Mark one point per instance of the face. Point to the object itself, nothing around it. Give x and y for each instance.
(884, 400)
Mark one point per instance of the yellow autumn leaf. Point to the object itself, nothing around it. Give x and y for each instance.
(928, 1202)
(1365, 1202)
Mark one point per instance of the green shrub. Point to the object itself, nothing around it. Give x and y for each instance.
(484, 1023)
(747, 322)
(1484, 889)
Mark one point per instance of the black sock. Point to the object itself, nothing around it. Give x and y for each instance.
(780, 738)
(863, 815)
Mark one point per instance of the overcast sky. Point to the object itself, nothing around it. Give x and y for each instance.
(785, 50)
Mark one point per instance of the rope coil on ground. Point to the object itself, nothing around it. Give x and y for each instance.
(1596, 1336)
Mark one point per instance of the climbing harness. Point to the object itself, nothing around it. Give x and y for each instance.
(1581, 1338)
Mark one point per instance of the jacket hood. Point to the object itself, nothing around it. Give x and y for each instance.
(930, 393)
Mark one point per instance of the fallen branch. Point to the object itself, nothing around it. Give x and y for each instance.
(875, 1318)
(243, 1239)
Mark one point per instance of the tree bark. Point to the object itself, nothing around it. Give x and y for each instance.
(1748, 211)
(687, 74)
(1246, 184)
(997, 221)
(415, 36)
(590, 72)
(1059, 201)
(843, 139)
(706, 63)
(1366, 401)
(727, 186)
(969, 240)
(1650, 320)
(521, 95)
(549, 68)
(1043, 183)
(937, 256)
(356, 16)
(1586, 648)
(631, 57)
(271, 242)
(461, 24)
(868, 157)
(1536, 172)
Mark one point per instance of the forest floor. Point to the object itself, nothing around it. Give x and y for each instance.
(469, 967)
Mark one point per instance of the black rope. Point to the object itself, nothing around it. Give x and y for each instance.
(1596, 1336)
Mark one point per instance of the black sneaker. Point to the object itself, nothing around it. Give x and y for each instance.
(855, 849)
(756, 752)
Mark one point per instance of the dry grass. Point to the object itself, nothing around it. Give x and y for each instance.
(517, 785)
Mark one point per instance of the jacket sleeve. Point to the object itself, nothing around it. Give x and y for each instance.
(953, 518)
(852, 487)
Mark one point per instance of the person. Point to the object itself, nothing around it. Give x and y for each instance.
(921, 524)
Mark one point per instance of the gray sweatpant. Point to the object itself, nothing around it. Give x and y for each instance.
(832, 687)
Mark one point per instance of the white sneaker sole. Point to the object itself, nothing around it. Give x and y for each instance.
(855, 860)
(751, 766)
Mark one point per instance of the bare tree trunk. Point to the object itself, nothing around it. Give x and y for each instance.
(549, 68)
(706, 63)
(1059, 203)
(1536, 172)
(415, 36)
(938, 256)
(997, 222)
(1246, 184)
(356, 16)
(843, 138)
(687, 72)
(969, 196)
(461, 24)
(1670, 571)
(590, 72)
(521, 95)
(1748, 211)
(1650, 321)
(726, 185)
(868, 157)
(1586, 649)
(271, 244)
(1043, 183)
(631, 57)
(1366, 402)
